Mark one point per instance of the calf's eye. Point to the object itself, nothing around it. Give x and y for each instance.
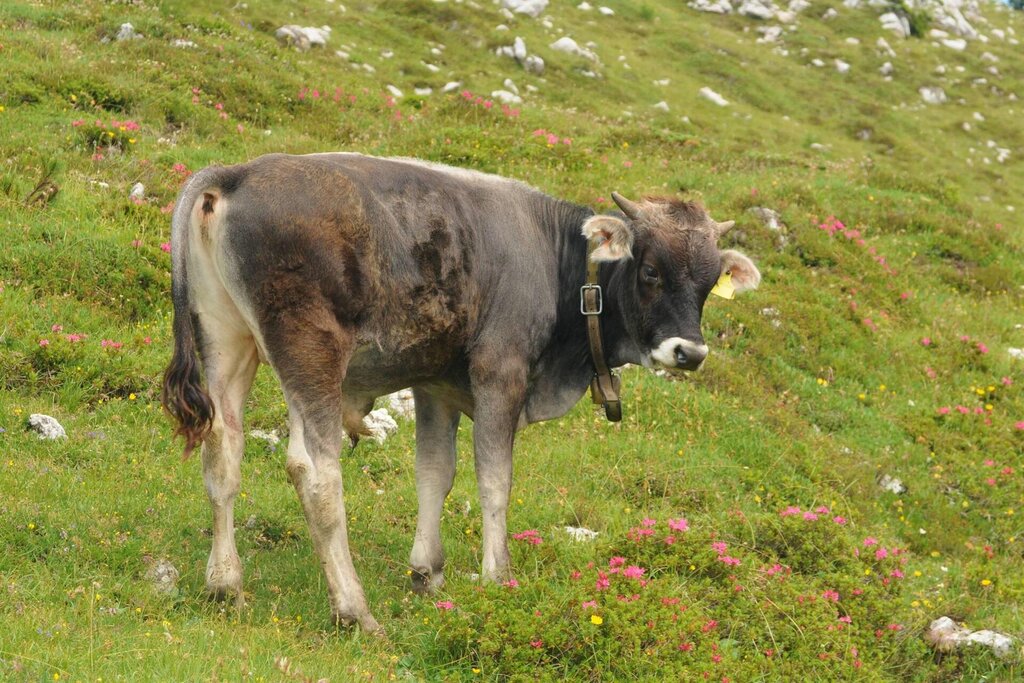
(649, 274)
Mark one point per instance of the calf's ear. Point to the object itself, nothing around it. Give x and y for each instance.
(612, 236)
(745, 274)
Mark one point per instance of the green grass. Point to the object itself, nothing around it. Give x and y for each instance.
(806, 406)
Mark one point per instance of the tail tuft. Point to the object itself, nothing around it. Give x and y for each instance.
(184, 397)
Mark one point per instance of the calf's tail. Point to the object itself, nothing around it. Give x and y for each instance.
(184, 397)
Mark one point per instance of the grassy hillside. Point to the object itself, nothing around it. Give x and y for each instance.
(878, 345)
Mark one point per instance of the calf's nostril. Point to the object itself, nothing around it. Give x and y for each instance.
(681, 357)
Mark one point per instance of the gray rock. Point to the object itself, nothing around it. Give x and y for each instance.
(303, 37)
(769, 218)
(402, 404)
(46, 427)
(933, 94)
(533, 65)
(571, 47)
(946, 635)
(710, 95)
(531, 8)
(138, 191)
(127, 32)
(163, 575)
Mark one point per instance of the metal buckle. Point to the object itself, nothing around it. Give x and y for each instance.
(583, 300)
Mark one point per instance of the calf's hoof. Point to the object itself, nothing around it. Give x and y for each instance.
(426, 582)
(364, 620)
(224, 581)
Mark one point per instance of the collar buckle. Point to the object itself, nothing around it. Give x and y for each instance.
(592, 305)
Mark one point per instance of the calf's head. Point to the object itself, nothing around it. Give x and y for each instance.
(668, 261)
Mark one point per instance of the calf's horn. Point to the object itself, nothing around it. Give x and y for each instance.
(629, 208)
(724, 227)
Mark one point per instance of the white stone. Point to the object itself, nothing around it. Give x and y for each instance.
(380, 425)
(712, 6)
(662, 82)
(584, 6)
(883, 45)
(938, 33)
(270, 437)
(892, 485)
(606, 11)
(769, 34)
(531, 8)
(571, 47)
(661, 106)
(395, 92)
(303, 37)
(163, 575)
(580, 534)
(830, 13)
(432, 68)
(138, 191)
(797, 6)
(510, 86)
(853, 41)
(818, 62)
(127, 32)
(533, 65)
(1016, 353)
(182, 43)
(958, 44)
(451, 86)
(423, 92)
(402, 404)
(387, 54)
(756, 9)
(946, 635)
(978, 116)
(501, 27)
(46, 427)
(895, 23)
(506, 97)
(886, 69)
(519, 49)
(709, 94)
(768, 217)
(933, 94)
(841, 66)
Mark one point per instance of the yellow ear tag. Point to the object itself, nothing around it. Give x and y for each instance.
(724, 287)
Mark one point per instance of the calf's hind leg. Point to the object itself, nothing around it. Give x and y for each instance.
(230, 362)
(311, 361)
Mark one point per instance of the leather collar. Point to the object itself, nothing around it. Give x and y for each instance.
(604, 387)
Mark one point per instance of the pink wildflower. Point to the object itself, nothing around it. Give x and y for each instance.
(633, 572)
(719, 547)
(870, 541)
(616, 562)
(810, 516)
(589, 604)
(944, 410)
(1019, 425)
(648, 522)
(44, 342)
(926, 341)
(602, 582)
(831, 595)
(846, 619)
(444, 604)
(680, 524)
(789, 511)
(56, 328)
(839, 520)
(536, 643)
(731, 561)
(511, 583)
(165, 247)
